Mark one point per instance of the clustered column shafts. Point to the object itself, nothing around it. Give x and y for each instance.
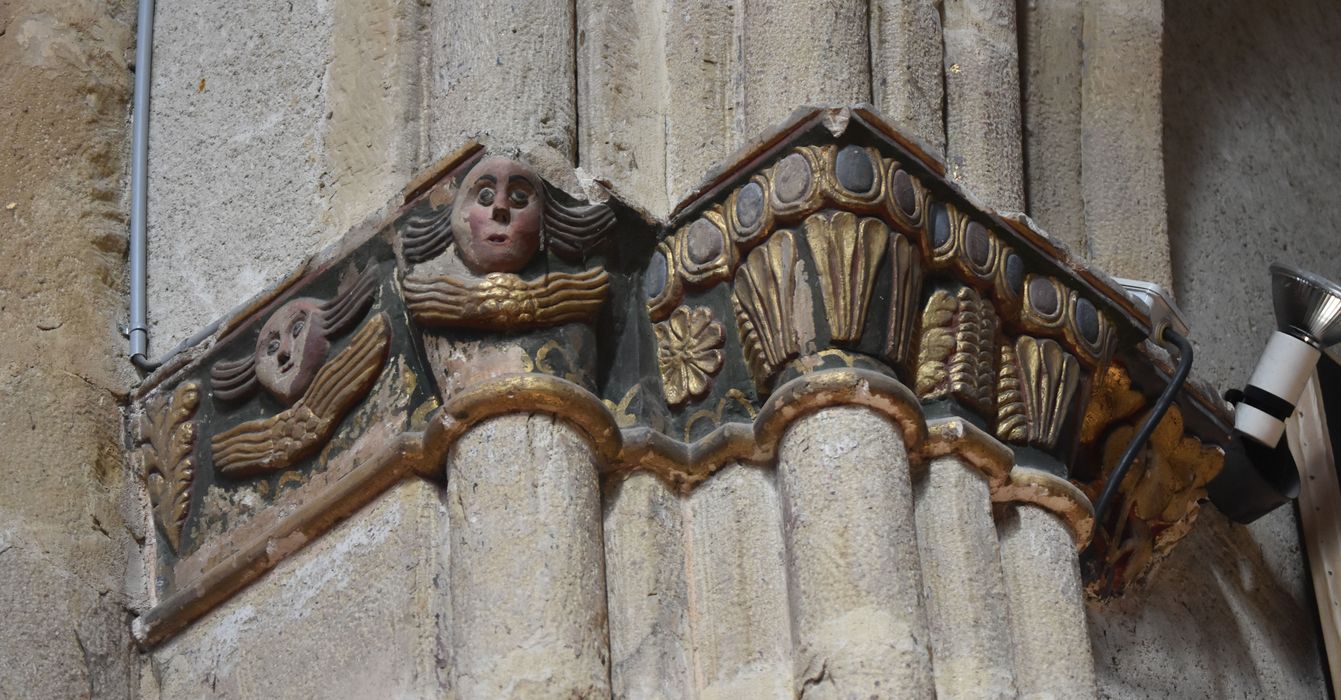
(526, 562)
(853, 573)
(965, 595)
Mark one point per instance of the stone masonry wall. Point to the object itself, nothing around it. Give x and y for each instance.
(65, 77)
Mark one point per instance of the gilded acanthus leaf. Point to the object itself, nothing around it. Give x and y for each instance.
(847, 253)
(906, 266)
(937, 344)
(972, 366)
(957, 355)
(1112, 399)
(281, 440)
(765, 298)
(688, 353)
(168, 438)
(1012, 425)
(1049, 375)
(1160, 495)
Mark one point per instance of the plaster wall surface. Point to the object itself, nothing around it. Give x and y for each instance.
(274, 127)
(65, 80)
(352, 615)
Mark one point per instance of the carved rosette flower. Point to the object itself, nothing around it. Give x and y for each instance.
(688, 353)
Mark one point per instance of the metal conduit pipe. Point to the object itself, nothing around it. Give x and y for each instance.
(138, 332)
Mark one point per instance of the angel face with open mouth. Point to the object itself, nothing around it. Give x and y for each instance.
(497, 225)
(290, 348)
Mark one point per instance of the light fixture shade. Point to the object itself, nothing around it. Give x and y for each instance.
(1308, 307)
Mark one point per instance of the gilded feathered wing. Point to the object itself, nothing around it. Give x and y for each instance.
(280, 441)
(504, 301)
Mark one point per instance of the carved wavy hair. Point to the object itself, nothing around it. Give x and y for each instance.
(572, 229)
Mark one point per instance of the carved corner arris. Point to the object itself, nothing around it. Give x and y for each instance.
(816, 269)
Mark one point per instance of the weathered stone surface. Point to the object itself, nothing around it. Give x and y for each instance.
(1052, 651)
(650, 645)
(526, 562)
(1223, 616)
(738, 587)
(64, 538)
(961, 574)
(1122, 175)
(1051, 61)
(852, 566)
(266, 143)
(796, 54)
(1250, 151)
(982, 101)
(907, 71)
(354, 614)
(622, 91)
(505, 71)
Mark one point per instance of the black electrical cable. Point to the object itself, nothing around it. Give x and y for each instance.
(1156, 414)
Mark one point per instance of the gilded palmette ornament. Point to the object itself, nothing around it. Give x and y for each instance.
(765, 298)
(847, 254)
(1012, 424)
(688, 353)
(502, 301)
(957, 356)
(1048, 377)
(905, 291)
(280, 441)
(168, 439)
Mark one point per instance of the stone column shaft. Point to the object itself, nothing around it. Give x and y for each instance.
(961, 572)
(1053, 658)
(737, 587)
(526, 562)
(853, 578)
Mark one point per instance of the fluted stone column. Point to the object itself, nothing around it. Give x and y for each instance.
(1053, 657)
(526, 562)
(852, 566)
(961, 572)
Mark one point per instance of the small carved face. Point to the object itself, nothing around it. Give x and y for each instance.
(291, 348)
(499, 212)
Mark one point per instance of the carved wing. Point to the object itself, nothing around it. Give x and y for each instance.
(574, 230)
(503, 301)
(279, 441)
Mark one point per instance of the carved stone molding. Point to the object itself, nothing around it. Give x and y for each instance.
(829, 264)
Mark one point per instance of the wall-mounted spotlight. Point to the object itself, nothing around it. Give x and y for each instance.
(1259, 472)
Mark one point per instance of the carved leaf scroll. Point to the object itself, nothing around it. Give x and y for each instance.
(168, 438)
(906, 266)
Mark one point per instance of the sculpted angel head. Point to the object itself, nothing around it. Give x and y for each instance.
(499, 213)
(293, 344)
(502, 216)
